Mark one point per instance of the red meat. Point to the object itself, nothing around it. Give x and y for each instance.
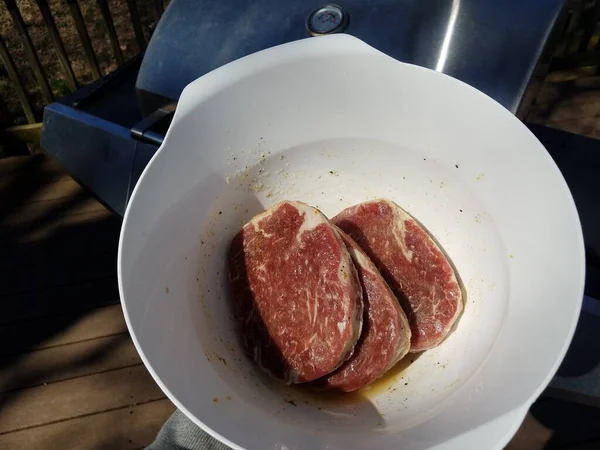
(296, 293)
(413, 265)
(386, 334)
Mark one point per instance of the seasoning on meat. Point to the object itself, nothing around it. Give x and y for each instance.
(296, 293)
(386, 333)
(413, 265)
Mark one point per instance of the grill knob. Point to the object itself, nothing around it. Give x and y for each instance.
(327, 19)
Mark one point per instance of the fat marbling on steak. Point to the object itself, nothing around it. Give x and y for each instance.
(415, 268)
(296, 293)
(385, 337)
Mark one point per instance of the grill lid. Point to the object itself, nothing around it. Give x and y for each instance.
(491, 45)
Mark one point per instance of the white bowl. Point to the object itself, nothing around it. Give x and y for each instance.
(332, 122)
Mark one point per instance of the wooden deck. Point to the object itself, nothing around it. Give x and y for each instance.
(70, 377)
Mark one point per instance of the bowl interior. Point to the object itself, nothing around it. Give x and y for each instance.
(307, 122)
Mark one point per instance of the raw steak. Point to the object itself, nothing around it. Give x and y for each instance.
(415, 268)
(385, 336)
(297, 297)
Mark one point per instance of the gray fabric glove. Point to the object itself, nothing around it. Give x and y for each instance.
(180, 433)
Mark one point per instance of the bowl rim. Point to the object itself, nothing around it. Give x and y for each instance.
(237, 70)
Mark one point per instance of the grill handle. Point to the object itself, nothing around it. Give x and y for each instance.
(151, 129)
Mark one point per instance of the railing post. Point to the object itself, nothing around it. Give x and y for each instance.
(34, 61)
(160, 7)
(110, 27)
(137, 24)
(85, 38)
(58, 44)
(11, 69)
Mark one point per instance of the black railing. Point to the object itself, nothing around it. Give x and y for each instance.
(29, 88)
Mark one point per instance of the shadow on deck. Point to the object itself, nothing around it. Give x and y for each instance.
(70, 376)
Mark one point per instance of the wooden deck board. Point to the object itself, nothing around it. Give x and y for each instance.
(70, 376)
(65, 329)
(38, 211)
(66, 240)
(26, 164)
(64, 400)
(554, 424)
(531, 435)
(40, 233)
(59, 300)
(64, 362)
(126, 428)
(58, 188)
(46, 272)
